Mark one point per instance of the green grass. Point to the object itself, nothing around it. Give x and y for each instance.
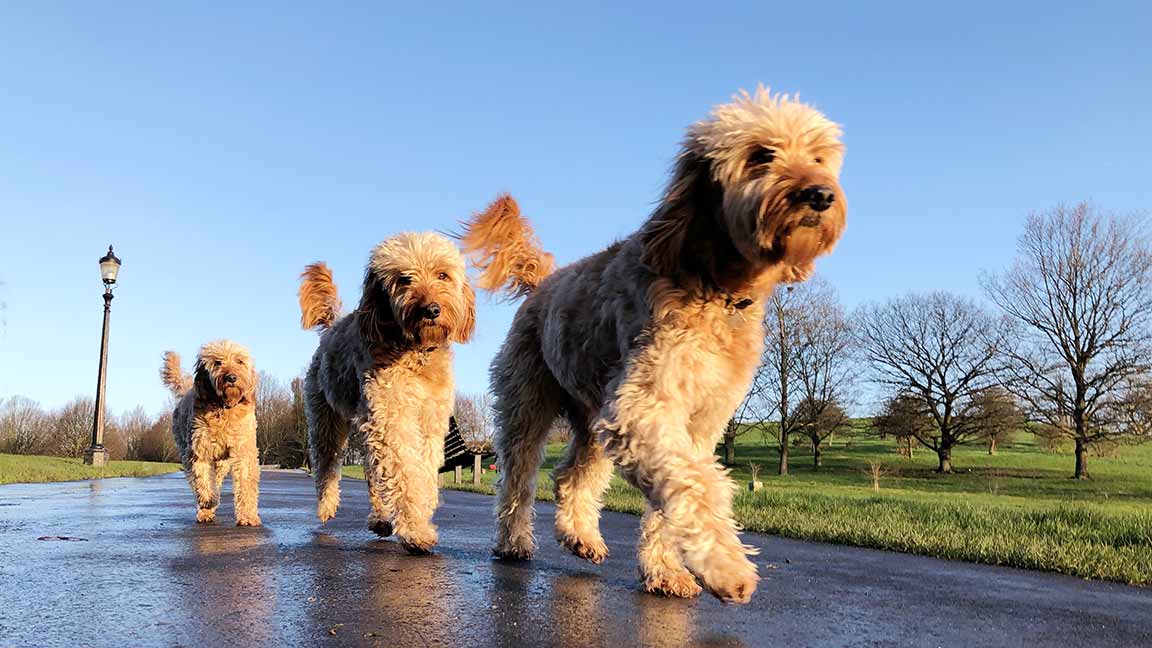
(19, 469)
(1017, 508)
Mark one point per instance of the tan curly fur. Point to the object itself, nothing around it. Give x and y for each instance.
(214, 424)
(648, 346)
(502, 246)
(387, 368)
(319, 301)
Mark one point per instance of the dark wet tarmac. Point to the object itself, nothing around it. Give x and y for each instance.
(138, 571)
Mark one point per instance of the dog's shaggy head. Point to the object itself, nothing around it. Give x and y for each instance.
(765, 170)
(415, 285)
(224, 373)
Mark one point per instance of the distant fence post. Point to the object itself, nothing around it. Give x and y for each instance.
(477, 469)
(459, 476)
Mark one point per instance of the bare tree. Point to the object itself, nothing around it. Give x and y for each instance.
(275, 422)
(824, 365)
(940, 348)
(72, 427)
(905, 418)
(296, 454)
(134, 425)
(24, 427)
(158, 443)
(753, 414)
(997, 416)
(819, 420)
(808, 366)
(474, 419)
(1079, 290)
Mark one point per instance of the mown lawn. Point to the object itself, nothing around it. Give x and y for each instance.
(1017, 508)
(17, 469)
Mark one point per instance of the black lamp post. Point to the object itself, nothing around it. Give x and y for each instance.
(97, 455)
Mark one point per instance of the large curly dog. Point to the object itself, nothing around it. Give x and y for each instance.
(387, 368)
(214, 424)
(648, 346)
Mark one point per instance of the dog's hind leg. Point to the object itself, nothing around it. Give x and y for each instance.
(527, 403)
(327, 438)
(580, 480)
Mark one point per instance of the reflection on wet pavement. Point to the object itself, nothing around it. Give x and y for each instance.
(148, 575)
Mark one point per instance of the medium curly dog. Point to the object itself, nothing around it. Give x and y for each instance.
(387, 368)
(215, 427)
(648, 346)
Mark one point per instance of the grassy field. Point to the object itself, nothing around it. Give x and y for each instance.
(1017, 508)
(17, 469)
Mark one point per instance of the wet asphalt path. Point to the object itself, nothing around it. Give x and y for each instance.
(146, 574)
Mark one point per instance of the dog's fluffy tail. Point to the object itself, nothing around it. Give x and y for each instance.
(319, 300)
(501, 244)
(173, 377)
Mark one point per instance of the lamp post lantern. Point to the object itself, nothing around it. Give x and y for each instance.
(97, 454)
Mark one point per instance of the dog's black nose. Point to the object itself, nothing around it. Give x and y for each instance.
(432, 311)
(818, 197)
(230, 378)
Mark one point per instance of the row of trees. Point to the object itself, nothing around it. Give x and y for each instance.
(28, 428)
(1067, 356)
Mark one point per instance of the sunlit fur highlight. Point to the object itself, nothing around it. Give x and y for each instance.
(648, 346)
(214, 424)
(387, 368)
(502, 246)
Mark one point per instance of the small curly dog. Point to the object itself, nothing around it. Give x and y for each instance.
(387, 369)
(214, 424)
(648, 346)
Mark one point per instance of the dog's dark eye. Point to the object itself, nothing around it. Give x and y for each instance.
(443, 276)
(818, 160)
(404, 280)
(761, 157)
(217, 363)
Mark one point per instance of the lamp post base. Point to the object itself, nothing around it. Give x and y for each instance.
(96, 457)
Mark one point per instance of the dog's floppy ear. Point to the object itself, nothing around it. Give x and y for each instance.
(374, 314)
(462, 333)
(202, 381)
(692, 196)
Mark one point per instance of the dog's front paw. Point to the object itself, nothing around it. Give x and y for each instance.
(382, 528)
(510, 549)
(591, 549)
(732, 578)
(681, 584)
(205, 516)
(248, 520)
(419, 542)
(326, 510)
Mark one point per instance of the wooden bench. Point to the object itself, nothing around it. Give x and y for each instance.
(457, 455)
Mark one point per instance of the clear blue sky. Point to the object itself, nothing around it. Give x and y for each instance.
(221, 148)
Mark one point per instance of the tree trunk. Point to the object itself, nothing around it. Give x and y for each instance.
(945, 455)
(783, 452)
(816, 454)
(729, 450)
(1081, 460)
(991, 445)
